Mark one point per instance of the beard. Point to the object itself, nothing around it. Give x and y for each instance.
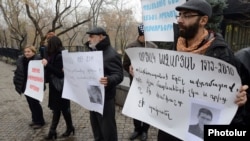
(189, 32)
(93, 45)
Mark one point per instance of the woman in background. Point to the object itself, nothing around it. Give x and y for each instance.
(54, 66)
(20, 80)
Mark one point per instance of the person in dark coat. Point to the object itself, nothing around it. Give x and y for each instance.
(195, 38)
(42, 49)
(20, 80)
(104, 126)
(141, 128)
(243, 56)
(43, 44)
(54, 66)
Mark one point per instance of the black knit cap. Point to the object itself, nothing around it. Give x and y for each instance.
(97, 31)
(141, 30)
(201, 6)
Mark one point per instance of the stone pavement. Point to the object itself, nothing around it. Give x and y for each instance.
(15, 116)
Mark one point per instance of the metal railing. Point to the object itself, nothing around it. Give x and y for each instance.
(14, 53)
(10, 53)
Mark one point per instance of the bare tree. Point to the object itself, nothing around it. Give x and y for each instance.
(67, 18)
(95, 8)
(11, 11)
(63, 9)
(3, 38)
(71, 36)
(121, 24)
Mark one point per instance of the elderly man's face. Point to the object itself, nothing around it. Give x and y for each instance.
(94, 40)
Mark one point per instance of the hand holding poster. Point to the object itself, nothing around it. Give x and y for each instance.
(35, 80)
(170, 87)
(82, 72)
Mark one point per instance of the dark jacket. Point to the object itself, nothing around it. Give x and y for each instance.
(126, 60)
(21, 72)
(55, 67)
(243, 57)
(219, 49)
(195, 129)
(112, 67)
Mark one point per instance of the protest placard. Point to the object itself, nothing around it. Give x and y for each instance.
(82, 72)
(35, 80)
(169, 87)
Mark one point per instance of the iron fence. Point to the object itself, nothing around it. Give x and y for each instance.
(10, 53)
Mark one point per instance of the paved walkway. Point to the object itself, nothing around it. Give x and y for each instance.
(15, 116)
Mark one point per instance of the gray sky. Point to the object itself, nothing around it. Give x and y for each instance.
(138, 11)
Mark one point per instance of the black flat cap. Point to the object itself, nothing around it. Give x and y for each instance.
(97, 31)
(201, 6)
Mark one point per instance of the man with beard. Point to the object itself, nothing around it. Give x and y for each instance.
(104, 126)
(195, 38)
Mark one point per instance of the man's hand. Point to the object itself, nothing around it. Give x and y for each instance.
(131, 71)
(241, 97)
(104, 81)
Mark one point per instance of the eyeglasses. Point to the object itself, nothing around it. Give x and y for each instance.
(185, 16)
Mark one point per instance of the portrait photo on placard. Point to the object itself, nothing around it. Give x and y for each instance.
(95, 95)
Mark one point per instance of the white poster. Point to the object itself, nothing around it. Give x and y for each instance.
(82, 72)
(158, 17)
(169, 89)
(35, 80)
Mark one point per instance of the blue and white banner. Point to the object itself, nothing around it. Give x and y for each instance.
(158, 17)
